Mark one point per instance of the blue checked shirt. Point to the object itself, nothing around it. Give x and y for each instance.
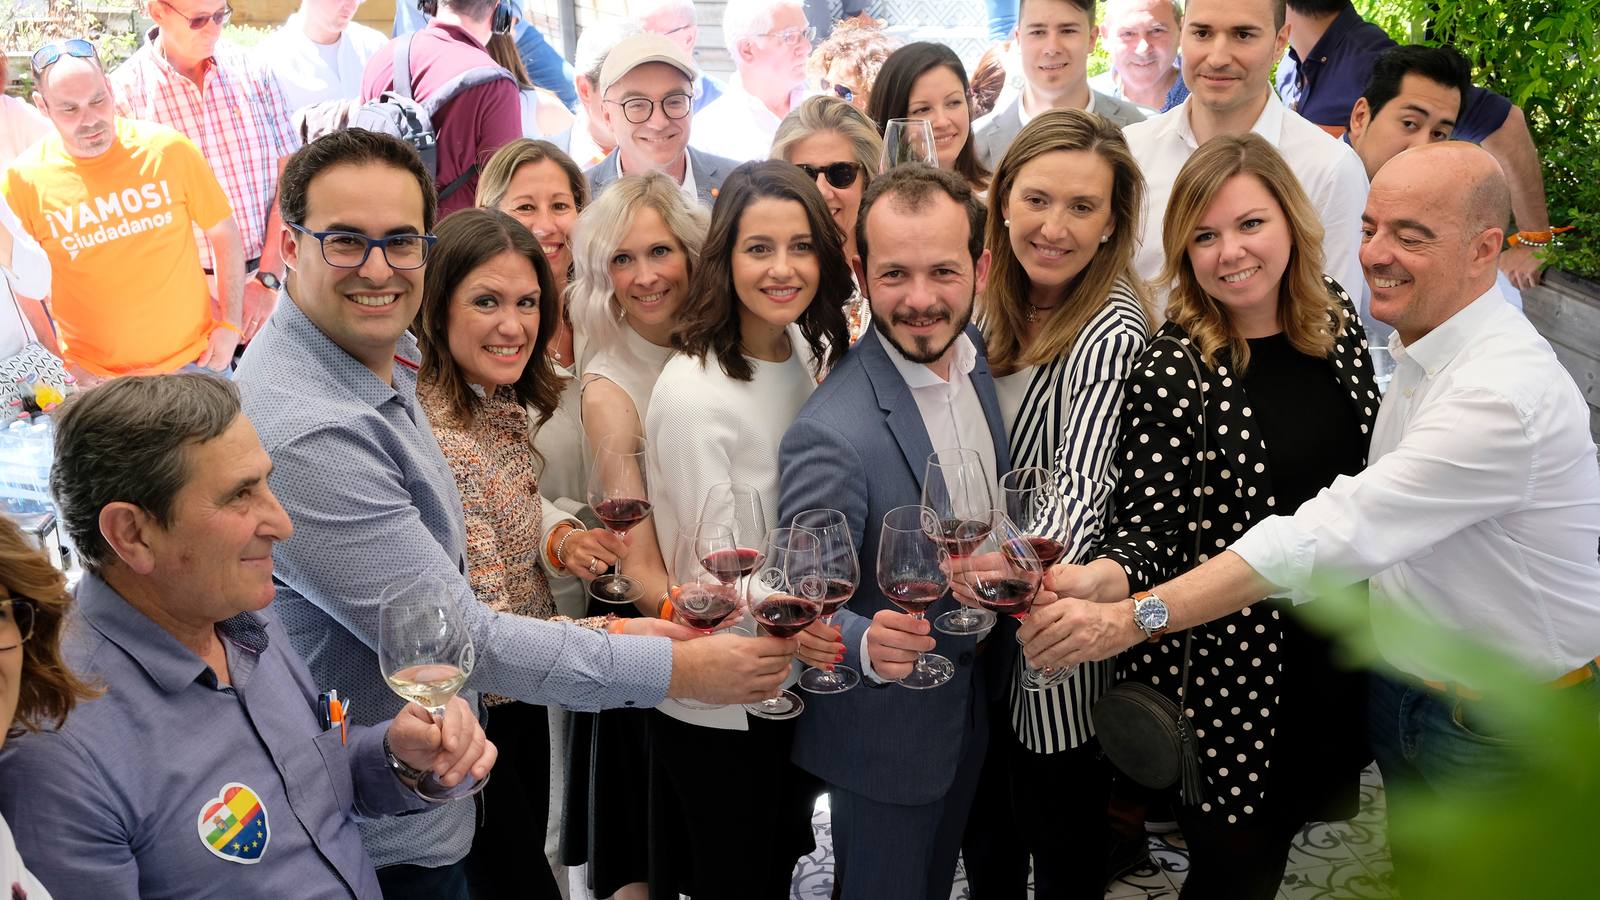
(374, 505)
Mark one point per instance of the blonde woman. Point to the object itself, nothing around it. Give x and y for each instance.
(835, 144)
(1287, 406)
(1064, 320)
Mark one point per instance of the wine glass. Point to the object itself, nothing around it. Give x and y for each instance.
(1382, 366)
(784, 596)
(425, 653)
(911, 573)
(955, 487)
(841, 572)
(706, 588)
(617, 494)
(1029, 494)
(908, 141)
(738, 506)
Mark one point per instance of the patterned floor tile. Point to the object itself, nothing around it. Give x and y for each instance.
(1348, 880)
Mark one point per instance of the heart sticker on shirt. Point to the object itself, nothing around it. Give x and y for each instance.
(233, 825)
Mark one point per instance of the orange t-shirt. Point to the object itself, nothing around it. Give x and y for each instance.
(127, 291)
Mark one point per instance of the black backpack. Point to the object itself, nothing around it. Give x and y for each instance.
(396, 112)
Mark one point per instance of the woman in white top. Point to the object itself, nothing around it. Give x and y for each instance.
(1064, 321)
(836, 145)
(634, 250)
(37, 690)
(764, 321)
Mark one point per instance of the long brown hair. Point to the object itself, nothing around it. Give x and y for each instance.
(468, 239)
(1003, 305)
(1307, 311)
(709, 320)
(49, 689)
(891, 97)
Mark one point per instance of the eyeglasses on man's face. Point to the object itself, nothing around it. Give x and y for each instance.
(349, 249)
(16, 622)
(789, 37)
(638, 110)
(220, 17)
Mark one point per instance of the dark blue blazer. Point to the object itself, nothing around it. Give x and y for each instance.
(859, 446)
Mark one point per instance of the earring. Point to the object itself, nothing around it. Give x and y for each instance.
(1104, 238)
(1006, 222)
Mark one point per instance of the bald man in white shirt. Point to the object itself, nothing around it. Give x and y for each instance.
(1478, 515)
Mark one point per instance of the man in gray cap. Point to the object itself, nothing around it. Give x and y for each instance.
(647, 86)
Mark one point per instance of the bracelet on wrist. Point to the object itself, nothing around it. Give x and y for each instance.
(559, 554)
(399, 766)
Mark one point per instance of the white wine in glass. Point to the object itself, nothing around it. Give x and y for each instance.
(425, 652)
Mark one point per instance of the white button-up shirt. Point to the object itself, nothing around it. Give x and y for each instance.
(1479, 511)
(1329, 170)
(310, 72)
(738, 125)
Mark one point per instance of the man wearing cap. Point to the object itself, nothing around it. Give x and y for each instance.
(647, 91)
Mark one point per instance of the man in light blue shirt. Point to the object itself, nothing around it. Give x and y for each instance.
(204, 762)
(330, 383)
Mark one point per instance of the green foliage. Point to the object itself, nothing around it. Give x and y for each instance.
(110, 25)
(1545, 56)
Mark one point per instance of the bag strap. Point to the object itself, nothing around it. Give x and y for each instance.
(402, 66)
(1189, 755)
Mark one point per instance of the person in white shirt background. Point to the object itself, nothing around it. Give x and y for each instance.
(1142, 38)
(674, 19)
(319, 53)
(770, 43)
(21, 126)
(1489, 539)
(1229, 48)
(24, 273)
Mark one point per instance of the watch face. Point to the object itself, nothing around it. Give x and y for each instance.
(1151, 614)
(269, 280)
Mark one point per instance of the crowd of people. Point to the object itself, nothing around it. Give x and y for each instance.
(722, 438)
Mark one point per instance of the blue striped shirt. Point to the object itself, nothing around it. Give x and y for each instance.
(374, 506)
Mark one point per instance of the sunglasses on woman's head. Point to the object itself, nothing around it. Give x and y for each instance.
(840, 174)
(51, 53)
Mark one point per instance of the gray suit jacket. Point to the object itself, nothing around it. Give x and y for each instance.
(709, 173)
(995, 131)
(859, 446)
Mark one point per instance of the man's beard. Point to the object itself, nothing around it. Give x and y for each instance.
(924, 353)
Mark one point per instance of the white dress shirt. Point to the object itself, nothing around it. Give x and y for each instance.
(1479, 511)
(951, 413)
(1329, 170)
(738, 125)
(310, 72)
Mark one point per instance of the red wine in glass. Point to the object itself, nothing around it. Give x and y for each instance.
(960, 537)
(1048, 550)
(729, 565)
(1007, 596)
(838, 593)
(913, 595)
(622, 513)
(785, 615)
(704, 606)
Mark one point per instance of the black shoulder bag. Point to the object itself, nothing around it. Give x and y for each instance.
(1144, 734)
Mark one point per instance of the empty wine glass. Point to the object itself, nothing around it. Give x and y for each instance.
(425, 654)
(956, 488)
(911, 573)
(841, 572)
(619, 498)
(784, 596)
(738, 506)
(1029, 494)
(908, 141)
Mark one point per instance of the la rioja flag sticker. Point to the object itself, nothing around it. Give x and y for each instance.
(233, 825)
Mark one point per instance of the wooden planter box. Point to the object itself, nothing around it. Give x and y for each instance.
(1566, 310)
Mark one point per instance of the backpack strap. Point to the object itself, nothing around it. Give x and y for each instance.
(471, 78)
(402, 66)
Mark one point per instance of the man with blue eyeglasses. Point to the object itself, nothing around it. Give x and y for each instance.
(770, 42)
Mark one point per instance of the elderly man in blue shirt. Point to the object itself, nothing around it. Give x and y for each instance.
(205, 762)
(331, 384)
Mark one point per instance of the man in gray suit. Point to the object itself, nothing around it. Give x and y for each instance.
(1054, 38)
(901, 765)
(647, 91)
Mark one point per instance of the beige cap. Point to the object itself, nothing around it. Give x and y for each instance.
(633, 52)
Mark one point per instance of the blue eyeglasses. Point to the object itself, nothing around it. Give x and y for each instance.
(349, 250)
(51, 53)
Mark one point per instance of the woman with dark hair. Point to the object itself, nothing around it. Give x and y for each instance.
(764, 319)
(37, 690)
(1283, 406)
(487, 313)
(927, 81)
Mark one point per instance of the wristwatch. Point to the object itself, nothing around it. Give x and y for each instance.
(399, 766)
(269, 281)
(1150, 614)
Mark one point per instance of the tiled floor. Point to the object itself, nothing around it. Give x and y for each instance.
(1330, 861)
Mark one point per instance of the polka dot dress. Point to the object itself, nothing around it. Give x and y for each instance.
(1237, 663)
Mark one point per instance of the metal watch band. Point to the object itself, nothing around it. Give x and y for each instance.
(400, 767)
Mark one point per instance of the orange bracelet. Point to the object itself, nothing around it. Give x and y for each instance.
(224, 323)
(665, 612)
(616, 626)
(1537, 238)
